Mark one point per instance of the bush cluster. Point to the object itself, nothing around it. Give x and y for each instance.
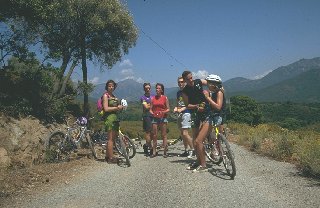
(299, 147)
(26, 89)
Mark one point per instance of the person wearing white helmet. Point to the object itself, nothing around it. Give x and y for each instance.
(198, 105)
(216, 99)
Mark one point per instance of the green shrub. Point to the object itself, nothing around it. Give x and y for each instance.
(299, 147)
(308, 154)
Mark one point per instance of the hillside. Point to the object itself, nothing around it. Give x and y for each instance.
(303, 88)
(278, 75)
(280, 85)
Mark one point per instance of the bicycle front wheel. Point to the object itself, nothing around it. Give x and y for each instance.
(58, 147)
(213, 154)
(228, 156)
(122, 149)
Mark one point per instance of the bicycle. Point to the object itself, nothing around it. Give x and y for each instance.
(124, 145)
(59, 144)
(217, 149)
(99, 140)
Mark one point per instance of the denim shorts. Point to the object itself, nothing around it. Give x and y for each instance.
(159, 120)
(198, 118)
(215, 120)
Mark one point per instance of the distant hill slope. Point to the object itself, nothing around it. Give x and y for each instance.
(303, 88)
(278, 75)
(297, 82)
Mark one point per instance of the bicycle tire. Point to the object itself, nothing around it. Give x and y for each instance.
(123, 150)
(91, 146)
(58, 147)
(228, 156)
(130, 146)
(98, 147)
(211, 149)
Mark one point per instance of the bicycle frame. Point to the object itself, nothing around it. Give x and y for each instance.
(218, 150)
(60, 144)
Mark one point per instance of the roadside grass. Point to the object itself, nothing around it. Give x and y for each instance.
(299, 147)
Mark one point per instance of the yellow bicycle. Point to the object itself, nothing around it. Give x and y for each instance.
(217, 149)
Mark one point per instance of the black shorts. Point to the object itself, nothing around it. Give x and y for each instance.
(146, 122)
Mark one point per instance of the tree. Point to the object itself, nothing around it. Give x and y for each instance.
(74, 31)
(244, 110)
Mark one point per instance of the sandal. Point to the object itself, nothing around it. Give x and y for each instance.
(112, 160)
(153, 155)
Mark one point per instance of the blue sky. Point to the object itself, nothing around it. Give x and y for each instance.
(231, 38)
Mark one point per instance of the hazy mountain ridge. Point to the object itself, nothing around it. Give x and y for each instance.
(296, 82)
(303, 88)
(276, 76)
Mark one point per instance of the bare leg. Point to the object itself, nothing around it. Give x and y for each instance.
(148, 139)
(111, 136)
(204, 129)
(187, 140)
(163, 128)
(154, 138)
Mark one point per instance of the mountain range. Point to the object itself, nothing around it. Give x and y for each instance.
(296, 82)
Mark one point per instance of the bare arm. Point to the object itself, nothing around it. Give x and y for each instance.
(150, 109)
(215, 105)
(168, 107)
(107, 108)
(146, 106)
(204, 82)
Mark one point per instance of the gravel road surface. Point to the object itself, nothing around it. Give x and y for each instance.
(165, 182)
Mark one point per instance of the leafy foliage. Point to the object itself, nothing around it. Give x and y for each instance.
(244, 110)
(25, 89)
(291, 115)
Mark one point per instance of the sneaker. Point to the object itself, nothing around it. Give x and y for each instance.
(185, 154)
(200, 169)
(191, 154)
(192, 166)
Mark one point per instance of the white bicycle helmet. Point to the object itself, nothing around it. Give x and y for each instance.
(214, 78)
(124, 103)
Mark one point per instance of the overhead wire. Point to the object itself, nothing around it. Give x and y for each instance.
(157, 44)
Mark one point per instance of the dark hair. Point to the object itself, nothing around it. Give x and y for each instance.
(145, 84)
(111, 81)
(162, 87)
(185, 74)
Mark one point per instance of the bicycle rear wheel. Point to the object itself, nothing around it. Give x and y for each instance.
(122, 150)
(130, 146)
(228, 156)
(97, 145)
(58, 147)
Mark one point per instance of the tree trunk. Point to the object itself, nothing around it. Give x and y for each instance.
(59, 77)
(84, 77)
(67, 78)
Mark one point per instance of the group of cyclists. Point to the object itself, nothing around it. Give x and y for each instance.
(197, 109)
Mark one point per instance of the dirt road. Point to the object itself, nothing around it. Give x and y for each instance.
(165, 182)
